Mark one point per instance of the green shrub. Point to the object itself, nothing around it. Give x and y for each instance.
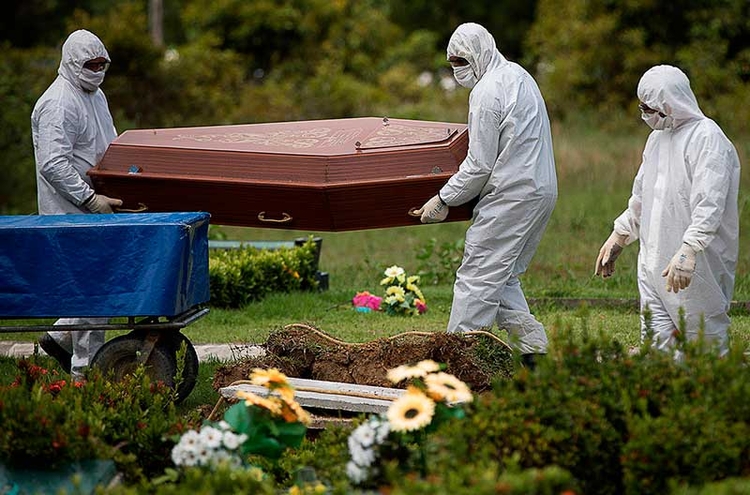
(619, 423)
(47, 421)
(197, 481)
(240, 276)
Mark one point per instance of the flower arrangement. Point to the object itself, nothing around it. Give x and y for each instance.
(258, 425)
(432, 397)
(402, 295)
(365, 302)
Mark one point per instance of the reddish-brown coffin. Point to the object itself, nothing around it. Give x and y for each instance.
(324, 175)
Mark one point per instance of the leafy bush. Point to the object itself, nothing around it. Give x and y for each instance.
(44, 420)
(619, 423)
(240, 276)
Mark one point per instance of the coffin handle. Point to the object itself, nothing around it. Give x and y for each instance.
(139, 209)
(285, 218)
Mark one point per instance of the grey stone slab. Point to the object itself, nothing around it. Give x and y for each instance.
(333, 396)
(221, 352)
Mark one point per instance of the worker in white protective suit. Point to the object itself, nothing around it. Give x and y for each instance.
(683, 210)
(510, 169)
(71, 128)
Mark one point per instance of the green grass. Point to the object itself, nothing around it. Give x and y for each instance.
(596, 166)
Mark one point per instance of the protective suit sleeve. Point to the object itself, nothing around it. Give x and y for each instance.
(708, 197)
(629, 222)
(55, 143)
(475, 170)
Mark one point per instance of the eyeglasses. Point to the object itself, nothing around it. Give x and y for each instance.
(96, 66)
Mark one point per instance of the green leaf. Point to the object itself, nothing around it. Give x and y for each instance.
(238, 417)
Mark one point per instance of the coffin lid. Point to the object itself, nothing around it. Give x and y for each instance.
(316, 151)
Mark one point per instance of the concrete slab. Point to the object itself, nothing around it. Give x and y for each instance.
(331, 396)
(220, 352)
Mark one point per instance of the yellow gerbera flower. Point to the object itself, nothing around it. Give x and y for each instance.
(397, 292)
(411, 411)
(291, 411)
(285, 392)
(414, 279)
(268, 378)
(404, 372)
(444, 386)
(256, 400)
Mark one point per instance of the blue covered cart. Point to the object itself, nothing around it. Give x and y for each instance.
(150, 269)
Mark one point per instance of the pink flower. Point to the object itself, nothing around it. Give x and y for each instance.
(420, 305)
(367, 300)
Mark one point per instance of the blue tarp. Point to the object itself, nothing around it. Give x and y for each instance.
(125, 264)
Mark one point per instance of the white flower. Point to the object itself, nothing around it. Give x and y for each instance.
(361, 455)
(355, 473)
(203, 456)
(211, 437)
(178, 455)
(428, 365)
(383, 428)
(190, 439)
(394, 272)
(224, 425)
(364, 435)
(189, 458)
(232, 440)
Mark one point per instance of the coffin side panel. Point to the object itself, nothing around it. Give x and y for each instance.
(229, 202)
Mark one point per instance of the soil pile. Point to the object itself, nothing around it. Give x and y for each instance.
(302, 351)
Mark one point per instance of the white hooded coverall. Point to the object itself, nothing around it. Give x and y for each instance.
(510, 167)
(684, 192)
(71, 129)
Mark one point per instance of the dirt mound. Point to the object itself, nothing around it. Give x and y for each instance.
(302, 351)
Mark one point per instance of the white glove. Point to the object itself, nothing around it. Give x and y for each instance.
(611, 249)
(433, 211)
(98, 203)
(679, 271)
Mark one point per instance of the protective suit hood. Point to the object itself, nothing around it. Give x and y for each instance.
(80, 47)
(474, 43)
(667, 89)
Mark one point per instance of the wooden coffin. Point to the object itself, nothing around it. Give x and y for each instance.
(324, 175)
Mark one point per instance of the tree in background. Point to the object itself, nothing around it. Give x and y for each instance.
(590, 54)
(245, 61)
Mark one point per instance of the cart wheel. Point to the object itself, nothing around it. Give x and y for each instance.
(171, 342)
(120, 355)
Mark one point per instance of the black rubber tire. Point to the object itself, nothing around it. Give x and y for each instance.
(171, 342)
(119, 357)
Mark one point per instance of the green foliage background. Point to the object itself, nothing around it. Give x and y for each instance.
(241, 61)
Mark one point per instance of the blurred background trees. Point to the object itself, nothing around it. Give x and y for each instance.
(245, 61)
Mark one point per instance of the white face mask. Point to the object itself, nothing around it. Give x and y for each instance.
(656, 121)
(91, 80)
(465, 76)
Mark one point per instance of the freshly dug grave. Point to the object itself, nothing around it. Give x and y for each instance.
(302, 351)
